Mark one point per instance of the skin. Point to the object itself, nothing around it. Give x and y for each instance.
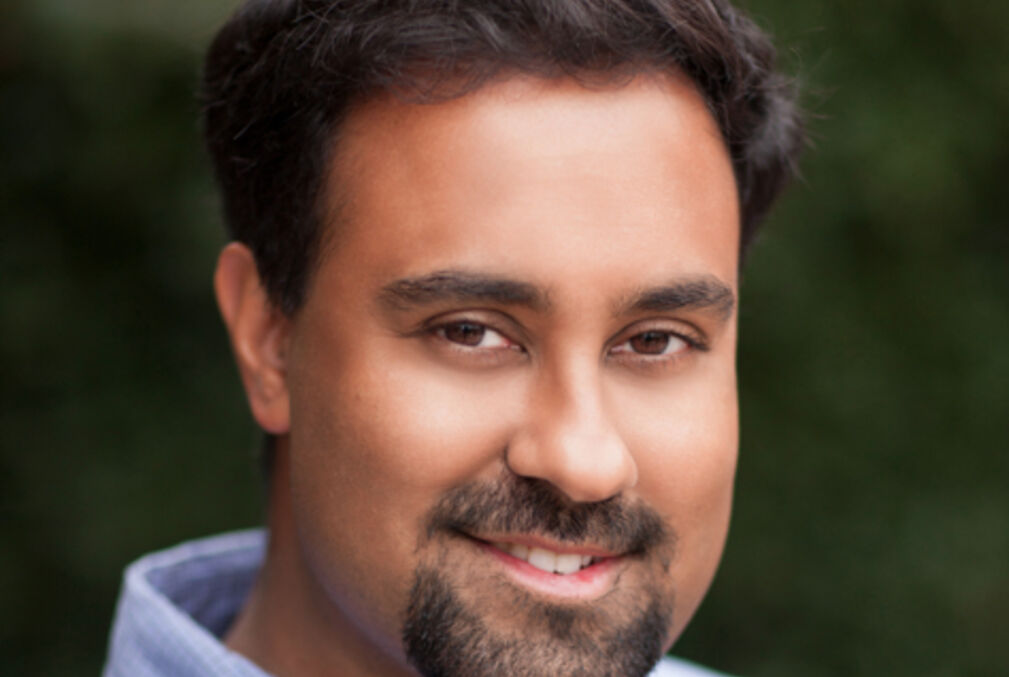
(383, 403)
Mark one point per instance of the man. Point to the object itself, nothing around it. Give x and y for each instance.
(482, 297)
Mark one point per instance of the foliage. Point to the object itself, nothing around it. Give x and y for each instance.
(871, 532)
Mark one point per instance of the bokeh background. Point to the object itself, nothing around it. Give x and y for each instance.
(871, 532)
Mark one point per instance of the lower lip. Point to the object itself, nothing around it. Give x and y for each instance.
(589, 583)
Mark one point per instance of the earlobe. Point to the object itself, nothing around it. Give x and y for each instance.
(259, 333)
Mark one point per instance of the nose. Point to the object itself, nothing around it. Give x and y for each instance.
(570, 440)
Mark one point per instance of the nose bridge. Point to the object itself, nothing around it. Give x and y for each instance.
(569, 437)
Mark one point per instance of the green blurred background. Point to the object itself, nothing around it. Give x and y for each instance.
(871, 532)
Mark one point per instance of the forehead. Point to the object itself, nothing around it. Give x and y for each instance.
(527, 166)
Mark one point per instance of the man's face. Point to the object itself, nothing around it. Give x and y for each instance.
(517, 354)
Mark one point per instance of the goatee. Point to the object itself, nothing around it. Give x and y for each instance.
(445, 635)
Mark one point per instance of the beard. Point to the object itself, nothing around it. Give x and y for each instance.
(448, 633)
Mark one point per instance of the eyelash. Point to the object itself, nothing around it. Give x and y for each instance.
(692, 341)
(442, 332)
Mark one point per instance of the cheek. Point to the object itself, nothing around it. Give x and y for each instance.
(684, 435)
(408, 426)
(371, 453)
(688, 460)
(686, 446)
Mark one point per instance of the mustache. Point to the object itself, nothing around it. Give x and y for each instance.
(523, 505)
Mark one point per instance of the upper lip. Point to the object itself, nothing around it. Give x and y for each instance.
(534, 541)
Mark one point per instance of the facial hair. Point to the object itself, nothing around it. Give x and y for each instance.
(444, 636)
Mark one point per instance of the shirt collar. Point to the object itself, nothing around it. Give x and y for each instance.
(176, 605)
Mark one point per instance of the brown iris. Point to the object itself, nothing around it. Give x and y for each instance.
(650, 342)
(465, 333)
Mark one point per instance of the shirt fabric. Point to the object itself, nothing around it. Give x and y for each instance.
(176, 605)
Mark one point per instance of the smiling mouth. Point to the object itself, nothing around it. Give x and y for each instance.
(568, 573)
(547, 560)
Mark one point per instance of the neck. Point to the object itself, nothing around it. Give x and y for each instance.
(290, 625)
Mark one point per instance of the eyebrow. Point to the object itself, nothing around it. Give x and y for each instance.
(704, 293)
(461, 286)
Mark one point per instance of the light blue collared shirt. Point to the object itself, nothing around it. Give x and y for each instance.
(176, 605)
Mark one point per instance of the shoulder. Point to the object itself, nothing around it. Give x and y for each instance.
(175, 605)
(675, 667)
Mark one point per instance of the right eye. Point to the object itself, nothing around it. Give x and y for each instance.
(473, 335)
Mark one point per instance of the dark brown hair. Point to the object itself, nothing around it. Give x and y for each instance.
(281, 75)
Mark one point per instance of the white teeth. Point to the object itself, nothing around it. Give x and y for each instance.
(543, 559)
(547, 560)
(568, 564)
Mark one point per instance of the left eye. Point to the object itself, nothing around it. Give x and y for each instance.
(652, 343)
(472, 335)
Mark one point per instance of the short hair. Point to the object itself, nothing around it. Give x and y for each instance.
(281, 75)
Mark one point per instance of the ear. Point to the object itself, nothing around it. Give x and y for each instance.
(259, 333)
